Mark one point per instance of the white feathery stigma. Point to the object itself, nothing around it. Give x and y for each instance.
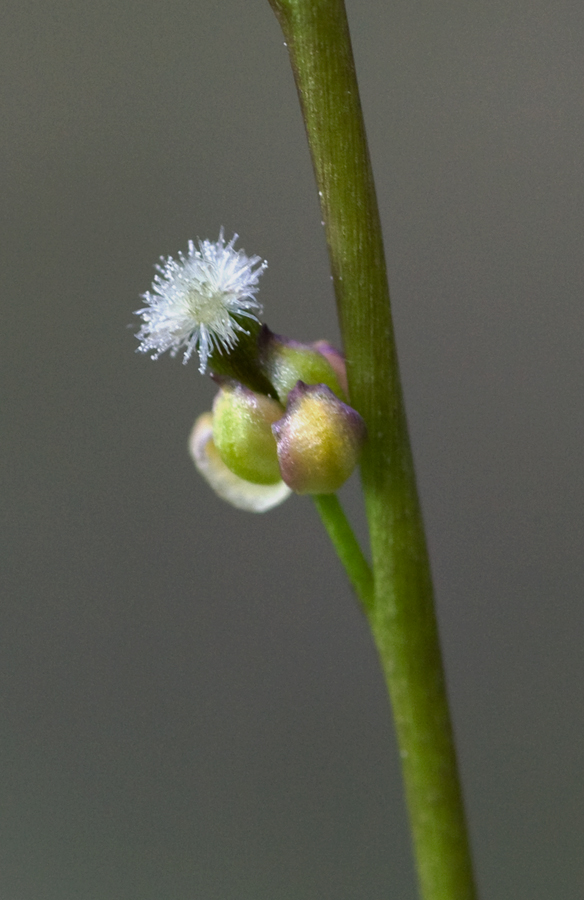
(194, 300)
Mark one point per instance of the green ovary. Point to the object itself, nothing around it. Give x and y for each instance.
(243, 436)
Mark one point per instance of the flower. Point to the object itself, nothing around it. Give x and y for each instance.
(319, 440)
(242, 433)
(230, 487)
(197, 300)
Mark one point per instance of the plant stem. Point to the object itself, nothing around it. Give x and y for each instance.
(402, 617)
(347, 547)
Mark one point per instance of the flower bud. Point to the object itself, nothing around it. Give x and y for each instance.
(242, 433)
(285, 362)
(236, 491)
(319, 440)
(337, 361)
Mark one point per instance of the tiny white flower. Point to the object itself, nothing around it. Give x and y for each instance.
(194, 300)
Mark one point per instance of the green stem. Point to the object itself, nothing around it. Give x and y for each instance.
(347, 547)
(402, 618)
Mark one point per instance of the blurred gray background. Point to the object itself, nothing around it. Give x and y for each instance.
(191, 707)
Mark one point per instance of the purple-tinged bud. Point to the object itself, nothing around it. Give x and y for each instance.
(242, 433)
(336, 360)
(234, 490)
(319, 440)
(285, 362)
